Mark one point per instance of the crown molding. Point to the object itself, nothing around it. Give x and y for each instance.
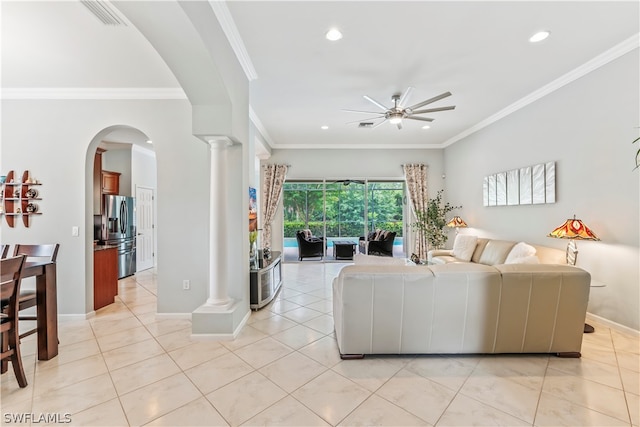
(390, 146)
(604, 58)
(114, 93)
(263, 131)
(230, 30)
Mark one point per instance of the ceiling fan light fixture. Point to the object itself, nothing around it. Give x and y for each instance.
(539, 36)
(395, 117)
(426, 127)
(333, 34)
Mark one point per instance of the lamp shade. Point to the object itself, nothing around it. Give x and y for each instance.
(456, 221)
(573, 229)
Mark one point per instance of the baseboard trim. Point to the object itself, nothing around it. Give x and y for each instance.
(173, 316)
(613, 325)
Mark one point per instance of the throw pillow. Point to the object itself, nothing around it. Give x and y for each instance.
(463, 246)
(520, 250)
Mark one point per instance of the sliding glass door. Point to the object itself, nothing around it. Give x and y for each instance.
(342, 211)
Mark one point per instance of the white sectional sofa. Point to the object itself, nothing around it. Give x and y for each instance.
(467, 248)
(460, 307)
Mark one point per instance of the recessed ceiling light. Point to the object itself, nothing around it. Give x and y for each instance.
(539, 36)
(426, 127)
(325, 127)
(149, 141)
(333, 34)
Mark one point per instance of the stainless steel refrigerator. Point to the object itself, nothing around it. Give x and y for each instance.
(119, 229)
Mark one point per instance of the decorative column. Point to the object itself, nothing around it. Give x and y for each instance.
(218, 242)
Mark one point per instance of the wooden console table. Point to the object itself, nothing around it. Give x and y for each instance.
(265, 282)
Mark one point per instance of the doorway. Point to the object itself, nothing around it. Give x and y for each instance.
(343, 210)
(145, 227)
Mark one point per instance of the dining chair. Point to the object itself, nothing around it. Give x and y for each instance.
(4, 251)
(28, 298)
(9, 289)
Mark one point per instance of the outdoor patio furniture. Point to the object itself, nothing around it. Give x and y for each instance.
(309, 245)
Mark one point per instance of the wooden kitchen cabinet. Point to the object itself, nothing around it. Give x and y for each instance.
(110, 182)
(105, 275)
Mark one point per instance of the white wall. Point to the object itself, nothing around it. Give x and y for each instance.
(586, 127)
(119, 160)
(352, 164)
(64, 165)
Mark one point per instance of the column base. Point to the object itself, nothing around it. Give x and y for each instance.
(216, 322)
(219, 305)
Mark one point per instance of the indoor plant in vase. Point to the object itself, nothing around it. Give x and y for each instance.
(433, 220)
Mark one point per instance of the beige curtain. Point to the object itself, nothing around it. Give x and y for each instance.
(416, 177)
(274, 176)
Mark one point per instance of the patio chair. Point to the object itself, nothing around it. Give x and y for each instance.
(309, 245)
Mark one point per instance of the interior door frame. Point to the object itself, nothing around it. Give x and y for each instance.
(141, 266)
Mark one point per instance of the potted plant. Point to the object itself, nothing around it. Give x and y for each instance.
(433, 220)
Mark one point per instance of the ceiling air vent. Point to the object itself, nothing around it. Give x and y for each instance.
(365, 125)
(104, 12)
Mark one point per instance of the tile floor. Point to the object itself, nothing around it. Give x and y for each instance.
(123, 367)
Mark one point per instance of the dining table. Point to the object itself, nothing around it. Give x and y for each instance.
(46, 306)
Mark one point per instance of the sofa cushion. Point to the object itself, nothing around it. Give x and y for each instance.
(496, 251)
(520, 250)
(361, 259)
(532, 259)
(464, 246)
(482, 242)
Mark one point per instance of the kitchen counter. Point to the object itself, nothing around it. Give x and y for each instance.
(105, 275)
(103, 247)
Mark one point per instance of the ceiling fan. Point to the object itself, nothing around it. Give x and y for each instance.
(398, 112)
(346, 182)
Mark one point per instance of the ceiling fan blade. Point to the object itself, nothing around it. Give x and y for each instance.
(378, 124)
(365, 120)
(399, 124)
(433, 110)
(424, 119)
(358, 111)
(405, 97)
(368, 98)
(429, 101)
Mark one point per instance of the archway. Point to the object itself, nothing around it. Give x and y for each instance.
(133, 158)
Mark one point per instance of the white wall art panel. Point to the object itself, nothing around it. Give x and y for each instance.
(513, 187)
(550, 180)
(528, 185)
(538, 184)
(492, 190)
(485, 191)
(525, 185)
(501, 189)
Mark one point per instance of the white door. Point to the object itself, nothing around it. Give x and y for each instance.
(144, 220)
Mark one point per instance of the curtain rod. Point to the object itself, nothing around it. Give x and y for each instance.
(264, 166)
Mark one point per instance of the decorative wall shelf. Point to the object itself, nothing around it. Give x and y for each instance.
(23, 195)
